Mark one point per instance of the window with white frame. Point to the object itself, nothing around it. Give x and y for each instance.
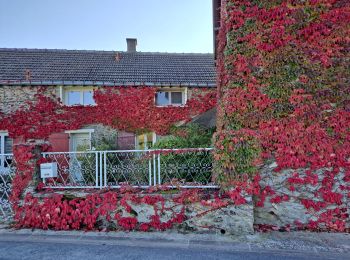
(79, 96)
(170, 97)
(5, 144)
(5, 148)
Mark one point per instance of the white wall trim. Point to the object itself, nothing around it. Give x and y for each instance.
(60, 89)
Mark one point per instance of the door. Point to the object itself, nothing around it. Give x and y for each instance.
(79, 162)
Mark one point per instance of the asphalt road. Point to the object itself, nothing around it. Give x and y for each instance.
(133, 249)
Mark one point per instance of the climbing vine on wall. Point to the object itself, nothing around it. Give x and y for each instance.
(106, 210)
(124, 108)
(285, 96)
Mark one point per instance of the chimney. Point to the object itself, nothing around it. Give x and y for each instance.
(131, 44)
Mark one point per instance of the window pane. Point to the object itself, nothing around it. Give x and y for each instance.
(149, 140)
(8, 144)
(141, 142)
(89, 98)
(162, 98)
(149, 137)
(176, 98)
(81, 142)
(73, 98)
(145, 141)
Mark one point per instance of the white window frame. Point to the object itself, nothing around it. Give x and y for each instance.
(2, 141)
(170, 90)
(64, 94)
(2, 149)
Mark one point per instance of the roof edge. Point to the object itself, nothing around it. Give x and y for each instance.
(107, 51)
(100, 83)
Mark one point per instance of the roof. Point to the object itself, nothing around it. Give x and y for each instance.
(206, 119)
(84, 67)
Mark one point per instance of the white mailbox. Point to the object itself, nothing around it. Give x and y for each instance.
(48, 170)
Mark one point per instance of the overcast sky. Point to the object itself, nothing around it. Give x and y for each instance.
(158, 25)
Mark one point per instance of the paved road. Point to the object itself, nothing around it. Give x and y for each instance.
(44, 247)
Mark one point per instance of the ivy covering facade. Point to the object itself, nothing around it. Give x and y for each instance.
(284, 96)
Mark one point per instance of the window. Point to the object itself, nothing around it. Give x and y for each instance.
(170, 98)
(88, 98)
(145, 141)
(79, 97)
(5, 148)
(5, 144)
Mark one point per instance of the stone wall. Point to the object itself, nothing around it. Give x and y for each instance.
(195, 216)
(211, 210)
(292, 212)
(13, 97)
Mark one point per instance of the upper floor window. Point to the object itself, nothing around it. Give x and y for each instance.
(79, 96)
(170, 98)
(82, 97)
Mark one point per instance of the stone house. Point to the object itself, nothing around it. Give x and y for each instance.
(73, 75)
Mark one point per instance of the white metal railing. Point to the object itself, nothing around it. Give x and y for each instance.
(186, 168)
(75, 169)
(7, 172)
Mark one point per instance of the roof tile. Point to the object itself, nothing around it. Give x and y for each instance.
(101, 66)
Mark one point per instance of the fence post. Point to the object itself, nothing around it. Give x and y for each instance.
(100, 172)
(154, 170)
(96, 174)
(105, 168)
(2, 161)
(44, 157)
(159, 179)
(150, 171)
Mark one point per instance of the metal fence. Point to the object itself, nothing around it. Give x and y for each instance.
(7, 172)
(186, 168)
(75, 169)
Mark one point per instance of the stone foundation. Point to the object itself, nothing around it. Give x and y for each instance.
(288, 213)
(197, 218)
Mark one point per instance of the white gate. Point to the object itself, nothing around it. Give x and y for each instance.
(7, 172)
